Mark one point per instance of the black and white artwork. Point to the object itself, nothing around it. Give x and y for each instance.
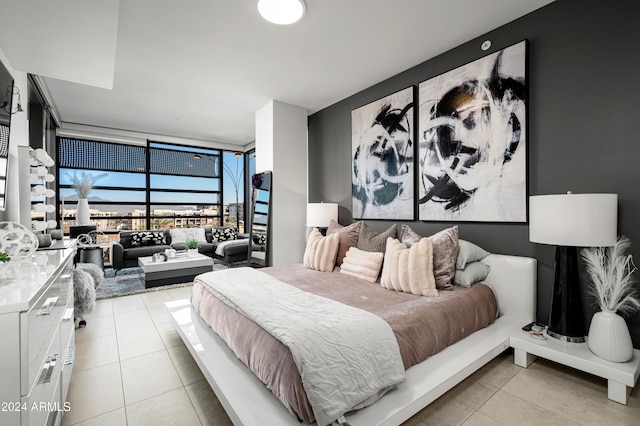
(472, 141)
(382, 158)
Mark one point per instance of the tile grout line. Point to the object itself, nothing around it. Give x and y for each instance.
(124, 401)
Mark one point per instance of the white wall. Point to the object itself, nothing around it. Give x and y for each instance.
(129, 137)
(281, 147)
(19, 135)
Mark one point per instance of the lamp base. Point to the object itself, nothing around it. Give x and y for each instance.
(566, 321)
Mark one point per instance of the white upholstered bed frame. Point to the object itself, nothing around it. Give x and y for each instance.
(248, 402)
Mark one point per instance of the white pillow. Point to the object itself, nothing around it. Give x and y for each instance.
(469, 252)
(362, 264)
(409, 269)
(320, 253)
(182, 235)
(472, 273)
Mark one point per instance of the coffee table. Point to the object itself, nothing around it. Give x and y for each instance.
(179, 269)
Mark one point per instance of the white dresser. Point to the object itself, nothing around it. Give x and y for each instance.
(36, 338)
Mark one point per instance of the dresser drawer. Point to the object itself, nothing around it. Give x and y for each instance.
(43, 400)
(40, 324)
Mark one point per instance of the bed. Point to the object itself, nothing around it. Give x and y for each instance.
(248, 402)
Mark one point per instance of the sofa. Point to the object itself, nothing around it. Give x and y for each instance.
(220, 242)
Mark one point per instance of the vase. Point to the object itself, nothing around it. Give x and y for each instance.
(192, 252)
(609, 337)
(82, 212)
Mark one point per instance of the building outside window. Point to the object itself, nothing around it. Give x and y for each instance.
(158, 186)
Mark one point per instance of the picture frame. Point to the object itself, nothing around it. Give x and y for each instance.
(383, 151)
(473, 141)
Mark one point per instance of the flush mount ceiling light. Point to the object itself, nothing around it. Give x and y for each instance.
(282, 12)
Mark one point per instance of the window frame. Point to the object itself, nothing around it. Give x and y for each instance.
(149, 218)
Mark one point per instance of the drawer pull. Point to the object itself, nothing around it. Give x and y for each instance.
(68, 315)
(52, 365)
(68, 359)
(48, 305)
(43, 372)
(47, 369)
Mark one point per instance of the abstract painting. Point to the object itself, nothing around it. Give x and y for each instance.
(382, 156)
(472, 141)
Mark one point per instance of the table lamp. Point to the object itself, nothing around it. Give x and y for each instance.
(570, 221)
(320, 214)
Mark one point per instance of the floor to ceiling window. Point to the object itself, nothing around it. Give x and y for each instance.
(184, 185)
(157, 186)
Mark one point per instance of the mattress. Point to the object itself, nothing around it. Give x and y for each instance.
(423, 326)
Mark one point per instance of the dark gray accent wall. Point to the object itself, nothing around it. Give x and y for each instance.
(583, 126)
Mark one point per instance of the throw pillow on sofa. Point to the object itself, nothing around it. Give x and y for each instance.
(147, 238)
(224, 233)
(182, 235)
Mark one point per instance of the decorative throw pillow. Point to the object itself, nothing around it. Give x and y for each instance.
(348, 236)
(223, 233)
(182, 235)
(260, 239)
(362, 264)
(369, 240)
(445, 253)
(147, 238)
(320, 253)
(469, 252)
(409, 269)
(473, 272)
(408, 236)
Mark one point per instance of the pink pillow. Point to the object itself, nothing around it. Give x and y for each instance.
(362, 264)
(445, 253)
(348, 236)
(409, 269)
(320, 253)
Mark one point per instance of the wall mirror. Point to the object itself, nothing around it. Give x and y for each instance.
(6, 102)
(260, 235)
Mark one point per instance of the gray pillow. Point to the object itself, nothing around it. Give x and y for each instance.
(473, 272)
(469, 252)
(370, 240)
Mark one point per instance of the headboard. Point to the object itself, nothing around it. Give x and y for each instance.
(513, 280)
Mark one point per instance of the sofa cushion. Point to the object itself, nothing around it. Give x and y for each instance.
(204, 248)
(142, 251)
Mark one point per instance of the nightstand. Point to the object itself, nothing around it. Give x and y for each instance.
(621, 377)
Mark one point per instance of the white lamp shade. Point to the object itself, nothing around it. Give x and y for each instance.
(580, 220)
(320, 214)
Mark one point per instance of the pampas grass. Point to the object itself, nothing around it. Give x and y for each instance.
(83, 182)
(612, 282)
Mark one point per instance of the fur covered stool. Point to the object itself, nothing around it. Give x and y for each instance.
(86, 277)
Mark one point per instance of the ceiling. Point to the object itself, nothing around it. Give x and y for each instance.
(200, 69)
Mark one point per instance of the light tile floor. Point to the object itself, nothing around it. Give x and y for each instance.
(132, 369)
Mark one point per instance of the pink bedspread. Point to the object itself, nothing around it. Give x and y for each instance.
(423, 326)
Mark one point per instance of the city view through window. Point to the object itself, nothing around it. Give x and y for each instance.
(160, 186)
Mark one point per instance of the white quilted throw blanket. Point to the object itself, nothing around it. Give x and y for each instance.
(347, 357)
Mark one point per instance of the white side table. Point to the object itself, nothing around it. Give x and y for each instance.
(621, 377)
